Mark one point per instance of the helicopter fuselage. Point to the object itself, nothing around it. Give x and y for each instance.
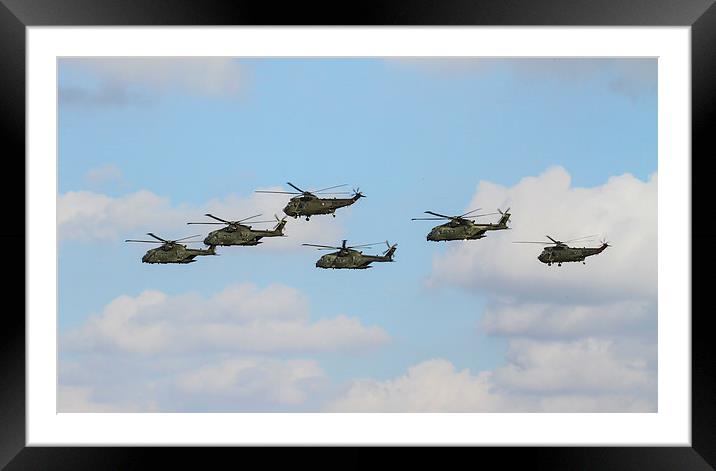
(312, 205)
(559, 254)
(352, 259)
(175, 253)
(461, 231)
(239, 234)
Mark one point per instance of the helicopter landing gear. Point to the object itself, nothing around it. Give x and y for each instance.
(549, 264)
(559, 264)
(307, 218)
(584, 263)
(333, 214)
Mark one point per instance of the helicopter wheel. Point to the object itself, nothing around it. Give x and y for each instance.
(308, 219)
(584, 263)
(334, 214)
(559, 264)
(549, 264)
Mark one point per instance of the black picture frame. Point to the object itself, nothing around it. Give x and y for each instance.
(700, 15)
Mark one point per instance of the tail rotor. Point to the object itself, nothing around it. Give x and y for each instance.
(504, 217)
(391, 250)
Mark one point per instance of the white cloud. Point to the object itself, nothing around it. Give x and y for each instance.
(108, 173)
(546, 320)
(79, 399)
(579, 338)
(181, 383)
(431, 386)
(624, 208)
(558, 378)
(134, 80)
(241, 379)
(587, 366)
(238, 350)
(631, 77)
(240, 318)
(90, 216)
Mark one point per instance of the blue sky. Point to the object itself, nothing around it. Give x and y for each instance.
(413, 135)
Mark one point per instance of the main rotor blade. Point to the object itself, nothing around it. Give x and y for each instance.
(582, 238)
(147, 241)
(437, 214)
(462, 215)
(185, 238)
(217, 223)
(277, 192)
(259, 222)
(363, 245)
(555, 241)
(246, 219)
(530, 242)
(427, 219)
(218, 219)
(477, 215)
(335, 193)
(322, 246)
(329, 188)
(296, 188)
(157, 237)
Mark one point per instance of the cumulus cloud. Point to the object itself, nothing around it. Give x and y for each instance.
(579, 338)
(79, 399)
(241, 349)
(624, 209)
(431, 386)
(181, 383)
(585, 376)
(108, 173)
(631, 77)
(239, 379)
(90, 216)
(106, 95)
(586, 365)
(546, 320)
(139, 80)
(240, 318)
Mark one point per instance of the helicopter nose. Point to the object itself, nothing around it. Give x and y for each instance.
(145, 259)
(209, 240)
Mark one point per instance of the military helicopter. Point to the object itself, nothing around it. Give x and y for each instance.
(463, 227)
(236, 233)
(171, 251)
(560, 252)
(308, 204)
(347, 257)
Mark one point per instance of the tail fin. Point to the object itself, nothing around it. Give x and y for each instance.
(281, 224)
(505, 217)
(212, 249)
(391, 250)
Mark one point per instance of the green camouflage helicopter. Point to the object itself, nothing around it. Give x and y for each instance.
(560, 252)
(347, 257)
(308, 204)
(171, 251)
(463, 227)
(236, 233)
